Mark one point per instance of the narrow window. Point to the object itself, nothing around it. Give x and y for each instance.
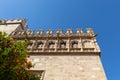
(51, 45)
(62, 45)
(40, 45)
(74, 44)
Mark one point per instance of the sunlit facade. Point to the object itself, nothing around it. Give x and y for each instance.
(59, 56)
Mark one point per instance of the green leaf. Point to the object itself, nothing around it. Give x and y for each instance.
(6, 51)
(15, 68)
(1, 50)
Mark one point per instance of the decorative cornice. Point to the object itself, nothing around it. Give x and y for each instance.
(55, 43)
(58, 34)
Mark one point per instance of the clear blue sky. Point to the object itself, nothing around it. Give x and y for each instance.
(101, 15)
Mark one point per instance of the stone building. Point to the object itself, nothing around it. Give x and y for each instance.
(59, 56)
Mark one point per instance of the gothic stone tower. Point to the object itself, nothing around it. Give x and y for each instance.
(61, 56)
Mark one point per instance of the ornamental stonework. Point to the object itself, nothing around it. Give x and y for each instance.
(58, 55)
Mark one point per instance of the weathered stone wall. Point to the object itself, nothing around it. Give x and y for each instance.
(9, 28)
(69, 61)
(69, 67)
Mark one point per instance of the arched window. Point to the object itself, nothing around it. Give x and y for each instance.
(51, 44)
(62, 44)
(40, 45)
(30, 45)
(87, 43)
(74, 44)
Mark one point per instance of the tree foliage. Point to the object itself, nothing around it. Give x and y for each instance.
(13, 60)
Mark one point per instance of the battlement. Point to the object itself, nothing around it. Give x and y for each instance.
(24, 26)
(12, 21)
(59, 55)
(51, 41)
(58, 33)
(59, 42)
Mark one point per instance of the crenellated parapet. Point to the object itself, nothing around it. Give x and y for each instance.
(13, 21)
(51, 41)
(59, 42)
(59, 55)
(58, 33)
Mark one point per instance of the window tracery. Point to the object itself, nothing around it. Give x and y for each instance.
(51, 44)
(62, 44)
(30, 45)
(40, 45)
(87, 43)
(74, 44)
